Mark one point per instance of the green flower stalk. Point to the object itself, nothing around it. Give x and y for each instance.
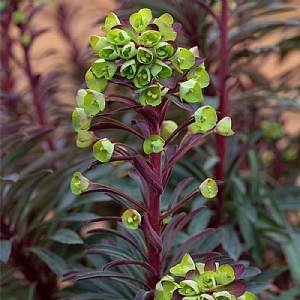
(153, 144)
(103, 150)
(131, 219)
(79, 183)
(151, 95)
(208, 188)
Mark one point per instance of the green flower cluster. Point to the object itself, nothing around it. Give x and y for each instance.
(201, 281)
(141, 51)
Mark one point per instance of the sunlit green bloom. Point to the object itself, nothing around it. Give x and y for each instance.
(223, 127)
(190, 91)
(183, 59)
(128, 69)
(163, 50)
(142, 77)
(166, 286)
(207, 281)
(151, 95)
(91, 101)
(226, 274)
(94, 83)
(110, 21)
(81, 120)
(164, 23)
(128, 50)
(140, 20)
(199, 73)
(205, 118)
(150, 38)
(145, 56)
(167, 128)
(184, 266)
(79, 183)
(98, 43)
(118, 37)
(131, 219)
(103, 150)
(85, 138)
(160, 70)
(209, 188)
(153, 144)
(104, 68)
(109, 52)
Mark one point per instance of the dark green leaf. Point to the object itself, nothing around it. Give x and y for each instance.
(66, 236)
(5, 250)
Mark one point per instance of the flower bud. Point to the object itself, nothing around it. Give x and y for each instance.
(153, 144)
(128, 69)
(79, 183)
(103, 150)
(167, 128)
(208, 188)
(223, 127)
(145, 56)
(80, 119)
(85, 138)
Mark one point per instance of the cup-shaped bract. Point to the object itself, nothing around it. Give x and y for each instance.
(188, 288)
(224, 295)
(247, 296)
(153, 144)
(109, 52)
(151, 95)
(145, 56)
(167, 128)
(150, 38)
(166, 286)
(160, 70)
(208, 188)
(183, 59)
(186, 264)
(94, 83)
(91, 101)
(207, 281)
(223, 127)
(164, 23)
(128, 69)
(163, 50)
(98, 43)
(140, 20)
(103, 150)
(131, 219)
(118, 36)
(205, 118)
(79, 183)
(128, 51)
(110, 21)
(199, 73)
(226, 274)
(208, 297)
(190, 91)
(81, 120)
(85, 138)
(142, 77)
(104, 68)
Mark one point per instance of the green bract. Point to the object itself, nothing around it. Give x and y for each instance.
(85, 138)
(98, 43)
(208, 281)
(145, 56)
(163, 50)
(118, 37)
(140, 20)
(222, 296)
(190, 91)
(167, 128)
(183, 59)
(142, 77)
(128, 69)
(131, 219)
(91, 101)
(188, 288)
(164, 23)
(103, 150)
(150, 38)
(128, 50)
(94, 83)
(223, 127)
(104, 68)
(109, 52)
(199, 73)
(247, 296)
(80, 119)
(79, 183)
(110, 21)
(153, 144)
(205, 118)
(160, 70)
(226, 274)
(151, 95)
(209, 188)
(184, 266)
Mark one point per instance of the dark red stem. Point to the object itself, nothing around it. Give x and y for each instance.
(223, 108)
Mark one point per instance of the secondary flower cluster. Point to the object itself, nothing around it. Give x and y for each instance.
(201, 281)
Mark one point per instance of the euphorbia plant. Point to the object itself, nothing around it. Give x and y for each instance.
(141, 54)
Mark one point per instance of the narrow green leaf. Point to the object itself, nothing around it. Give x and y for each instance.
(66, 236)
(231, 243)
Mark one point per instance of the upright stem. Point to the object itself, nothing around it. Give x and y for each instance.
(223, 108)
